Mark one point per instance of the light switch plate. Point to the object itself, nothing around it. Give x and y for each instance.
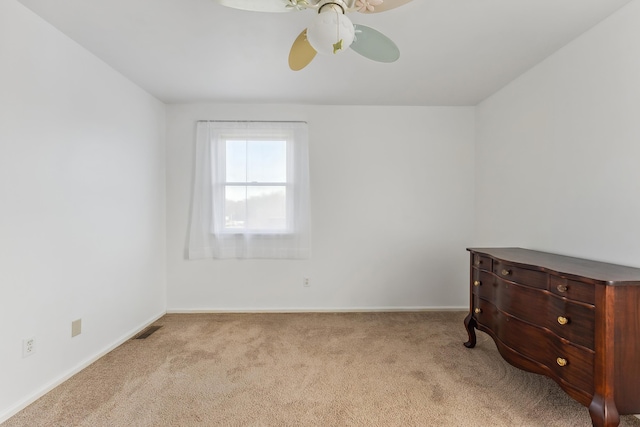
(76, 327)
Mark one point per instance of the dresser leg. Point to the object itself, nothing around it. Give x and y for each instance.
(470, 324)
(603, 412)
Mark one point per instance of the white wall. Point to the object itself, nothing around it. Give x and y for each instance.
(392, 212)
(81, 206)
(558, 150)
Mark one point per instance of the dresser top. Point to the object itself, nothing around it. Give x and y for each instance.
(609, 274)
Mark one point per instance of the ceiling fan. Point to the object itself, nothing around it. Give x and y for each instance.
(330, 32)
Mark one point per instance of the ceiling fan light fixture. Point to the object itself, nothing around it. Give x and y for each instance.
(330, 32)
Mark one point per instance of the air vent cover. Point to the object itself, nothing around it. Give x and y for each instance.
(146, 332)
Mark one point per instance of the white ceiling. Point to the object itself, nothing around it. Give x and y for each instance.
(453, 52)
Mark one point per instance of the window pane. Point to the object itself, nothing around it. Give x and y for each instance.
(266, 161)
(235, 207)
(236, 169)
(267, 208)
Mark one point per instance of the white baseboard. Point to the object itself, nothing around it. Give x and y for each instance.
(62, 378)
(313, 310)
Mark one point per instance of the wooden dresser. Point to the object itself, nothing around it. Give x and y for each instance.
(573, 320)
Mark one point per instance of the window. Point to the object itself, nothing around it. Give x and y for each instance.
(251, 191)
(255, 185)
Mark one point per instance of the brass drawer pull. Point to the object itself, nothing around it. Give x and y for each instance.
(477, 311)
(562, 362)
(478, 262)
(562, 288)
(505, 272)
(563, 320)
(476, 283)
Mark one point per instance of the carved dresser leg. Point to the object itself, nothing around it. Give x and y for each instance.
(603, 412)
(470, 324)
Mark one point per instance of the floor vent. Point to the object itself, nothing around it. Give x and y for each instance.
(145, 333)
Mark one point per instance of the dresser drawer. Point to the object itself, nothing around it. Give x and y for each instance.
(572, 289)
(534, 278)
(481, 262)
(567, 362)
(529, 304)
(573, 321)
(483, 284)
(571, 364)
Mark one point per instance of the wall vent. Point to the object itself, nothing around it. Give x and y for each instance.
(146, 332)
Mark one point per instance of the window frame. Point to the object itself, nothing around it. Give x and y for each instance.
(219, 196)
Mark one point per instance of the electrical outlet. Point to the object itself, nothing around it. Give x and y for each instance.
(28, 346)
(306, 282)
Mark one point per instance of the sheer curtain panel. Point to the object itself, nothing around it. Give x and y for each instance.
(251, 191)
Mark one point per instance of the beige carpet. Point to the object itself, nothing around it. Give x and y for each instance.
(356, 369)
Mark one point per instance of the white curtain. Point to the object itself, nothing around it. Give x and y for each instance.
(208, 237)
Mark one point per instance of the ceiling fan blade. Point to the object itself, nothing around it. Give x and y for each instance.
(258, 5)
(374, 45)
(301, 53)
(386, 5)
